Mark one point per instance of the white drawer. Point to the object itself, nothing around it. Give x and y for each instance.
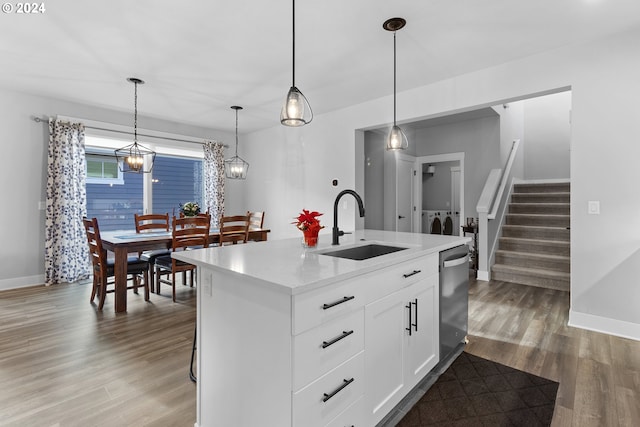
(318, 350)
(328, 396)
(353, 416)
(312, 308)
(385, 282)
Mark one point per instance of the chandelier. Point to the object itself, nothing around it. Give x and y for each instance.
(135, 158)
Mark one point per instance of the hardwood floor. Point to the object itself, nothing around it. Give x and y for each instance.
(526, 328)
(62, 363)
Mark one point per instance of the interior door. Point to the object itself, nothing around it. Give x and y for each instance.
(404, 193)
(455, 199)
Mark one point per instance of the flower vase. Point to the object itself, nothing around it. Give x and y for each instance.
(310, 238)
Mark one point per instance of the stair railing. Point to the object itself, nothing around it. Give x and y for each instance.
(491, 206)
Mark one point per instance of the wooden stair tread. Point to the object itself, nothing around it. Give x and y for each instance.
(535, 241)
(537, 227)
(540, 204)
(521, 254)
(531, 271)
(538, 215)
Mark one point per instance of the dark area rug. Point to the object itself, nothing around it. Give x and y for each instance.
(478, 392)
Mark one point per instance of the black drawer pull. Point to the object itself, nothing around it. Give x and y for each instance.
(345, 334)
(336, 391)
(412, 273)
(415, 303)
(333, 304)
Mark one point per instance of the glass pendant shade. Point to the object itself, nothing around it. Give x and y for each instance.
(397, 140)
(236, 167)
(296, 110)
(135, 158)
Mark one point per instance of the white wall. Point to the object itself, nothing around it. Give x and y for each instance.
(479, 139)
(295, 166)
(23, 175)
(547, 131)
(374, 180)
(436, 188)
(511, 129)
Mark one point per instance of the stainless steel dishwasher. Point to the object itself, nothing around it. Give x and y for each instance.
(454, 298)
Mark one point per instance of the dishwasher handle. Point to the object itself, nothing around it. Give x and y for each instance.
(456, 261)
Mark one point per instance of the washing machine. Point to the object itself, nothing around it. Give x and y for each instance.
(432, 221)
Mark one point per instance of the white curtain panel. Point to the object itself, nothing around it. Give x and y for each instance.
(214, 180)
(66, 252)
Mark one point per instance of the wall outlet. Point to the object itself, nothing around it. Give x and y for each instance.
(593, 207)
(207, 289)
(42, 205)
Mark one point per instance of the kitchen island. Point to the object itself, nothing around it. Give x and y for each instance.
(289, 336)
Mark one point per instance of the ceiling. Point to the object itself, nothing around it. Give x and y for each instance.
(200, 57)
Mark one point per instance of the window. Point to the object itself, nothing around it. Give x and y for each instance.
(114, 197)
(176, 180)
(103, 169)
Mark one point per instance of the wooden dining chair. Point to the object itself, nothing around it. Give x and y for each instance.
(256, 219)
(234, 229)
(103, 267)
(187, 233)
(151, 222)
(148, 223)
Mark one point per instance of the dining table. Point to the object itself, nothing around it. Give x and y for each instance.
(124, 242)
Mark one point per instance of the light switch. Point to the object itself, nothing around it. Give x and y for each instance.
(594, 207)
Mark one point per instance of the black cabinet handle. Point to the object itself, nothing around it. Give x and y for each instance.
(336, 391)
(415, 325)
(412, 273)
(345, 334)
(410, 323)
(333, 304)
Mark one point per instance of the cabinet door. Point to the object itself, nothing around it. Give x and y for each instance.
(385, 322)
(421, 347)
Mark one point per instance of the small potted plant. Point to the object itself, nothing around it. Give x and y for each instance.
(308, 223)
(190, 209)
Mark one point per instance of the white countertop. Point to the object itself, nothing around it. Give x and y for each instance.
(287, 266)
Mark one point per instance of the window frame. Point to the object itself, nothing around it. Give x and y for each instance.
(92, 154)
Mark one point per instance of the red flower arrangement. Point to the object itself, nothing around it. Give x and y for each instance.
(309, 224)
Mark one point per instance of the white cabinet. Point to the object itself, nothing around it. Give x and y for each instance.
(336, 355)
(401, 342)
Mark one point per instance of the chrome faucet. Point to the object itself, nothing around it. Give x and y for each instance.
(336, 231)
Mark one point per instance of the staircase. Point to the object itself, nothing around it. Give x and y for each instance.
(534, 248)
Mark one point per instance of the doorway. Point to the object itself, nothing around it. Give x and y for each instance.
(439, 194)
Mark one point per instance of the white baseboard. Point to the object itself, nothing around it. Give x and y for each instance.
(21, 282)
(483, 275)
(619, 328)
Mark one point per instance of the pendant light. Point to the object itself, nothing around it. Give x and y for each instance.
(396, 140)
(296, 110)
(235, 167)
(135, 158)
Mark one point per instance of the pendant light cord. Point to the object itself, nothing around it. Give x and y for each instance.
(236, 133)
(135, 112)
(394, 78)
(294, 43)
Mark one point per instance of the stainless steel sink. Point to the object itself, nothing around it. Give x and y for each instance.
(360, 253)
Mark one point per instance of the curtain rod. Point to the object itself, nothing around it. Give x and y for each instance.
(39, 120)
